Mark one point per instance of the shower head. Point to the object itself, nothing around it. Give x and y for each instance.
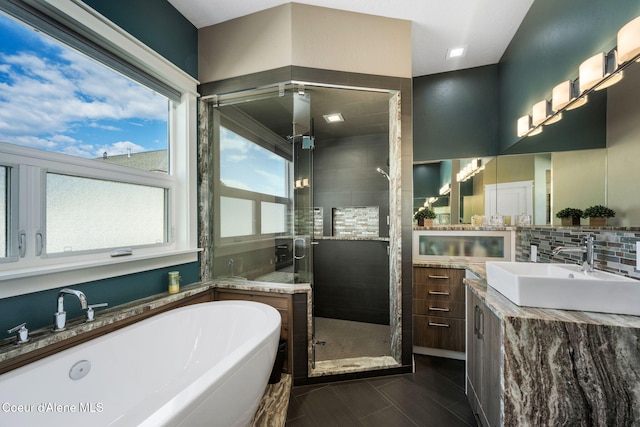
(383, 173)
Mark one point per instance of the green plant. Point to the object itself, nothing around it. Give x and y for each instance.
(598, 211)
(569, 213)
(425, 213)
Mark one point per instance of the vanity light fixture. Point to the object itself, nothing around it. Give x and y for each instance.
(598, 72)
(542, 113)
(333, 118)
(596, 69)
(445, 189)
(629, 41)
(469, 170)
(591, 72)
(567, 93)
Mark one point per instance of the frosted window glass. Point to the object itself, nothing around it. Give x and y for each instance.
(85, 214)
(236, 217)
(462, 246)
(274, 219)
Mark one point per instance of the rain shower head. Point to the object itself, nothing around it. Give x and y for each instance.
(383, 173)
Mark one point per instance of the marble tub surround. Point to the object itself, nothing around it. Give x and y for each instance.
(563, 367)
(42, 338)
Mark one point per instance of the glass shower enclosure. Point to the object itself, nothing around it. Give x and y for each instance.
(261, 156)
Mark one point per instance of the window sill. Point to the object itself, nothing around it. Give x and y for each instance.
(27, 280)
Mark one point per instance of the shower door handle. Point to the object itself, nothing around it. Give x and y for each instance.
(304, 253)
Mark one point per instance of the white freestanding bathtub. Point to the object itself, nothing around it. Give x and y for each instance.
(202, 365)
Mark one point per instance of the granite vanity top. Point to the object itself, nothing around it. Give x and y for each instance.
(44, 337)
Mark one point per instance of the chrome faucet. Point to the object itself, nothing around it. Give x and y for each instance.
(60, 317)
(586, 249)
(230, 268)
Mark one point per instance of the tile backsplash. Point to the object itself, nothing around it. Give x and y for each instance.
(356, 221)
(615, 250)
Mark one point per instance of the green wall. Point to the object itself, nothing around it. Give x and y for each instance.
(37, 308)
(455, 114)
(157, 24)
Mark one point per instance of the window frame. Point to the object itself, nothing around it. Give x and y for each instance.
(29, 167)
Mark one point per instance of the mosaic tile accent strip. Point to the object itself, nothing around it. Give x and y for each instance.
(615, 250)
(318, 221)
(356, 221)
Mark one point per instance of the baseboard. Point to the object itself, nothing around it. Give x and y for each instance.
(428, 351)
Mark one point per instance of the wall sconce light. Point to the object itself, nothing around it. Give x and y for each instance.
(526, 128)
(599, 72)
(629, 41)
(566, 93)
(445, 189)
(542, 113)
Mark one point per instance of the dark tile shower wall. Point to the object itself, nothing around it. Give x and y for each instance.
(615, 250)
(344, 175)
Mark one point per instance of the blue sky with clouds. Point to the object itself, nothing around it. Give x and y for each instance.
(55, 99)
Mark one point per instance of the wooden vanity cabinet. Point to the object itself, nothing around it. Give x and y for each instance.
(439, 308)
(484, 334)
(281, 302)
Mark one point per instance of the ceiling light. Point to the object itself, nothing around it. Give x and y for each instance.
(456, 52)
(629, 41)
(333, 118)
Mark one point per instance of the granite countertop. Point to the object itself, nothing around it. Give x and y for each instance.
(504, 308)
(44, 337)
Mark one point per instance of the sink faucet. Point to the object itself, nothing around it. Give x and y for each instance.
(586, 249)
(230, 268)
(60, 317)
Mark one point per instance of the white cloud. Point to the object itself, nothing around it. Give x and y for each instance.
(51, 95)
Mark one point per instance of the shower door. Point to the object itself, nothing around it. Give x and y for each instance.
(302, 189)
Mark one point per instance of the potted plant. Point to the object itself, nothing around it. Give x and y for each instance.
(598, 215)
(569, 216)
(424, 216)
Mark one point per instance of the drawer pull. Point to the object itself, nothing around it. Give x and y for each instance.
(439, 325)
(439, 293)
(438, 277)
(438, 309)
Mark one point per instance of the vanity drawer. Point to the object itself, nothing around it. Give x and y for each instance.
(439, 292)
(437, 276)
(439, 308)
(439, 332)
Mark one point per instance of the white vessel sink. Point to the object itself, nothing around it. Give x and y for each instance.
(564, 286)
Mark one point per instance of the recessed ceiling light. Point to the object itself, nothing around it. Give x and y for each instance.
(456, 52)
(333, 118)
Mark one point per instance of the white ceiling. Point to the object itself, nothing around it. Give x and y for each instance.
(485, 26)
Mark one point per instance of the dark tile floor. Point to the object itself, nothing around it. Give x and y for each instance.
(432, 396)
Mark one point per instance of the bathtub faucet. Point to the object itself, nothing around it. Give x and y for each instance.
(60, 317)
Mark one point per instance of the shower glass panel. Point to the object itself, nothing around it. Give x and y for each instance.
(302, 189)
(262, 154)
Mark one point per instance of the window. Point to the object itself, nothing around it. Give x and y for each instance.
(97, 152)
